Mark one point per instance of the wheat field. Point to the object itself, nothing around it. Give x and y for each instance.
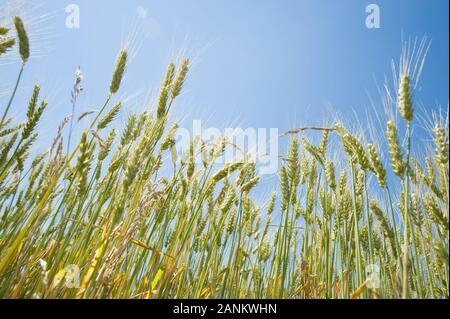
(140, 223)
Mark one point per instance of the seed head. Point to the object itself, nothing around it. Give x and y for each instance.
(229, 201)
(170, 138)
(271, 204)
(294, 165)
(329, 170)
(359, 187)
(118, 72)
(231, 223)
(24, 45)
(404, 99)
(377, 166)
(395, 151)
(250, 184)
(131, 169)
(3, 30)
(83, 163)
(342, 182)
(324, 143)
(264, 250)
(313, 150)
(109, 117)
(179, 80)
(309, 204)
(164, 93)
(441, 141)
(284, 183)
(105, 149)
(33, 114)
(6, 44)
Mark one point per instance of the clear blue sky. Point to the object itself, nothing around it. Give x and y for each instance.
(257, 63)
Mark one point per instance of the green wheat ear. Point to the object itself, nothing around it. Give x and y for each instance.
(395, 151)
(118, 72)
(377, 166)
(330, 174)
(404, 99)
(109, 117)
(181, 76)
(24, 45)
(441, 141)
(5, 43)
(3, 30)
(165, 88)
